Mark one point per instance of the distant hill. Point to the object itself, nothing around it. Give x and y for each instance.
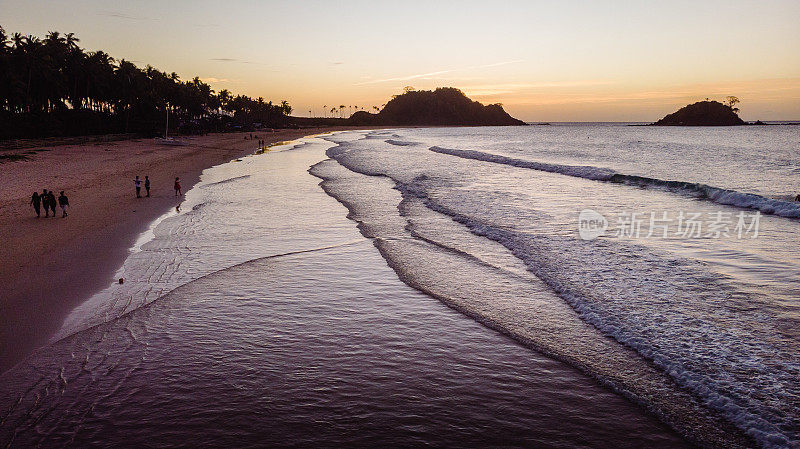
(441, 107)
(702, 113)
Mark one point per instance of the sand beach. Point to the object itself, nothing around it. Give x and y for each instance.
(49, 265)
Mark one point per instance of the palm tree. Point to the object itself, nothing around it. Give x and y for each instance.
(341, 110)
(46, 82)
(224, 99)
(3, 41)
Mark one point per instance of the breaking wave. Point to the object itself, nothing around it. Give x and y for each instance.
(717, 195)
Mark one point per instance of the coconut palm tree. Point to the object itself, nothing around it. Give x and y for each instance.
(52, 83)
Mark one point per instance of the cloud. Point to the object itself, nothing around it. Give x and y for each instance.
(405, 78)
(211, 79)
(234, 60)
(438, 72)
(497, 64)
(119, 15)
(753, 90)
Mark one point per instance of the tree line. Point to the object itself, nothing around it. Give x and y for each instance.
(53, 87)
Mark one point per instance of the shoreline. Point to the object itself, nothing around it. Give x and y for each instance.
(51, 265)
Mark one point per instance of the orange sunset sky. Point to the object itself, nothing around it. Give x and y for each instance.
(545, 61)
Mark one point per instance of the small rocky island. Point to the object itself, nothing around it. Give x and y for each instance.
(704, 113)
(441, 107)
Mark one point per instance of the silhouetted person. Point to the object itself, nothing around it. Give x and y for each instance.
(52, 201)
(138, 183)
(45, 203)
(178, 187)
(37, 203)
(147, 185)
(63, 201)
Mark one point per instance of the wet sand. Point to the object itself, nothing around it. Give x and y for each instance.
(49, 265)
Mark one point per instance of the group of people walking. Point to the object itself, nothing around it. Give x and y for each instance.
(48, 201)
(138, 184)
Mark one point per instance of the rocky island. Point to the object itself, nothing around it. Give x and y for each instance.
(445, 106)
(704, 113)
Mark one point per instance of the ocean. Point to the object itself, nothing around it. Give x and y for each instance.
(572, 285)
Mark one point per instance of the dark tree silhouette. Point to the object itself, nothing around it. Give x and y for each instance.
(443, 106)
(52, 87)
(731, 101)
(704, 113)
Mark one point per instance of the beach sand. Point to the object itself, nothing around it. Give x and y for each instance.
(50, 265)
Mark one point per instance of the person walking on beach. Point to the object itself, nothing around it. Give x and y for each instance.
(37, 203)
(52, 201)
(63, 201)
(138, 183)
(178, 187)
(147, 186)
(45, 203)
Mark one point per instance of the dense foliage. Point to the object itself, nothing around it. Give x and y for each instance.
(441, 107)
(703, 113)
(52, 87)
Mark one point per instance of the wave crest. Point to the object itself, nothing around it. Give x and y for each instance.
(717, 195)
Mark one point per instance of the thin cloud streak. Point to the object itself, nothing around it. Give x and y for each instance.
(233, 60)
(755, 89)
(119, 15)
(496, 64)
(404, 78)
(439, 72)
(548, 93)
(211, 79)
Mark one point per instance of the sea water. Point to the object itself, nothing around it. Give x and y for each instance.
(259, 313)
(697, 272)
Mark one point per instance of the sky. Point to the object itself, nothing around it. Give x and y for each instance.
(543, 60)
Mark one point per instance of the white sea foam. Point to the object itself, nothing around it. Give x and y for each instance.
(656, 328)
(704, 329)
(718, 195)
(401, 143)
